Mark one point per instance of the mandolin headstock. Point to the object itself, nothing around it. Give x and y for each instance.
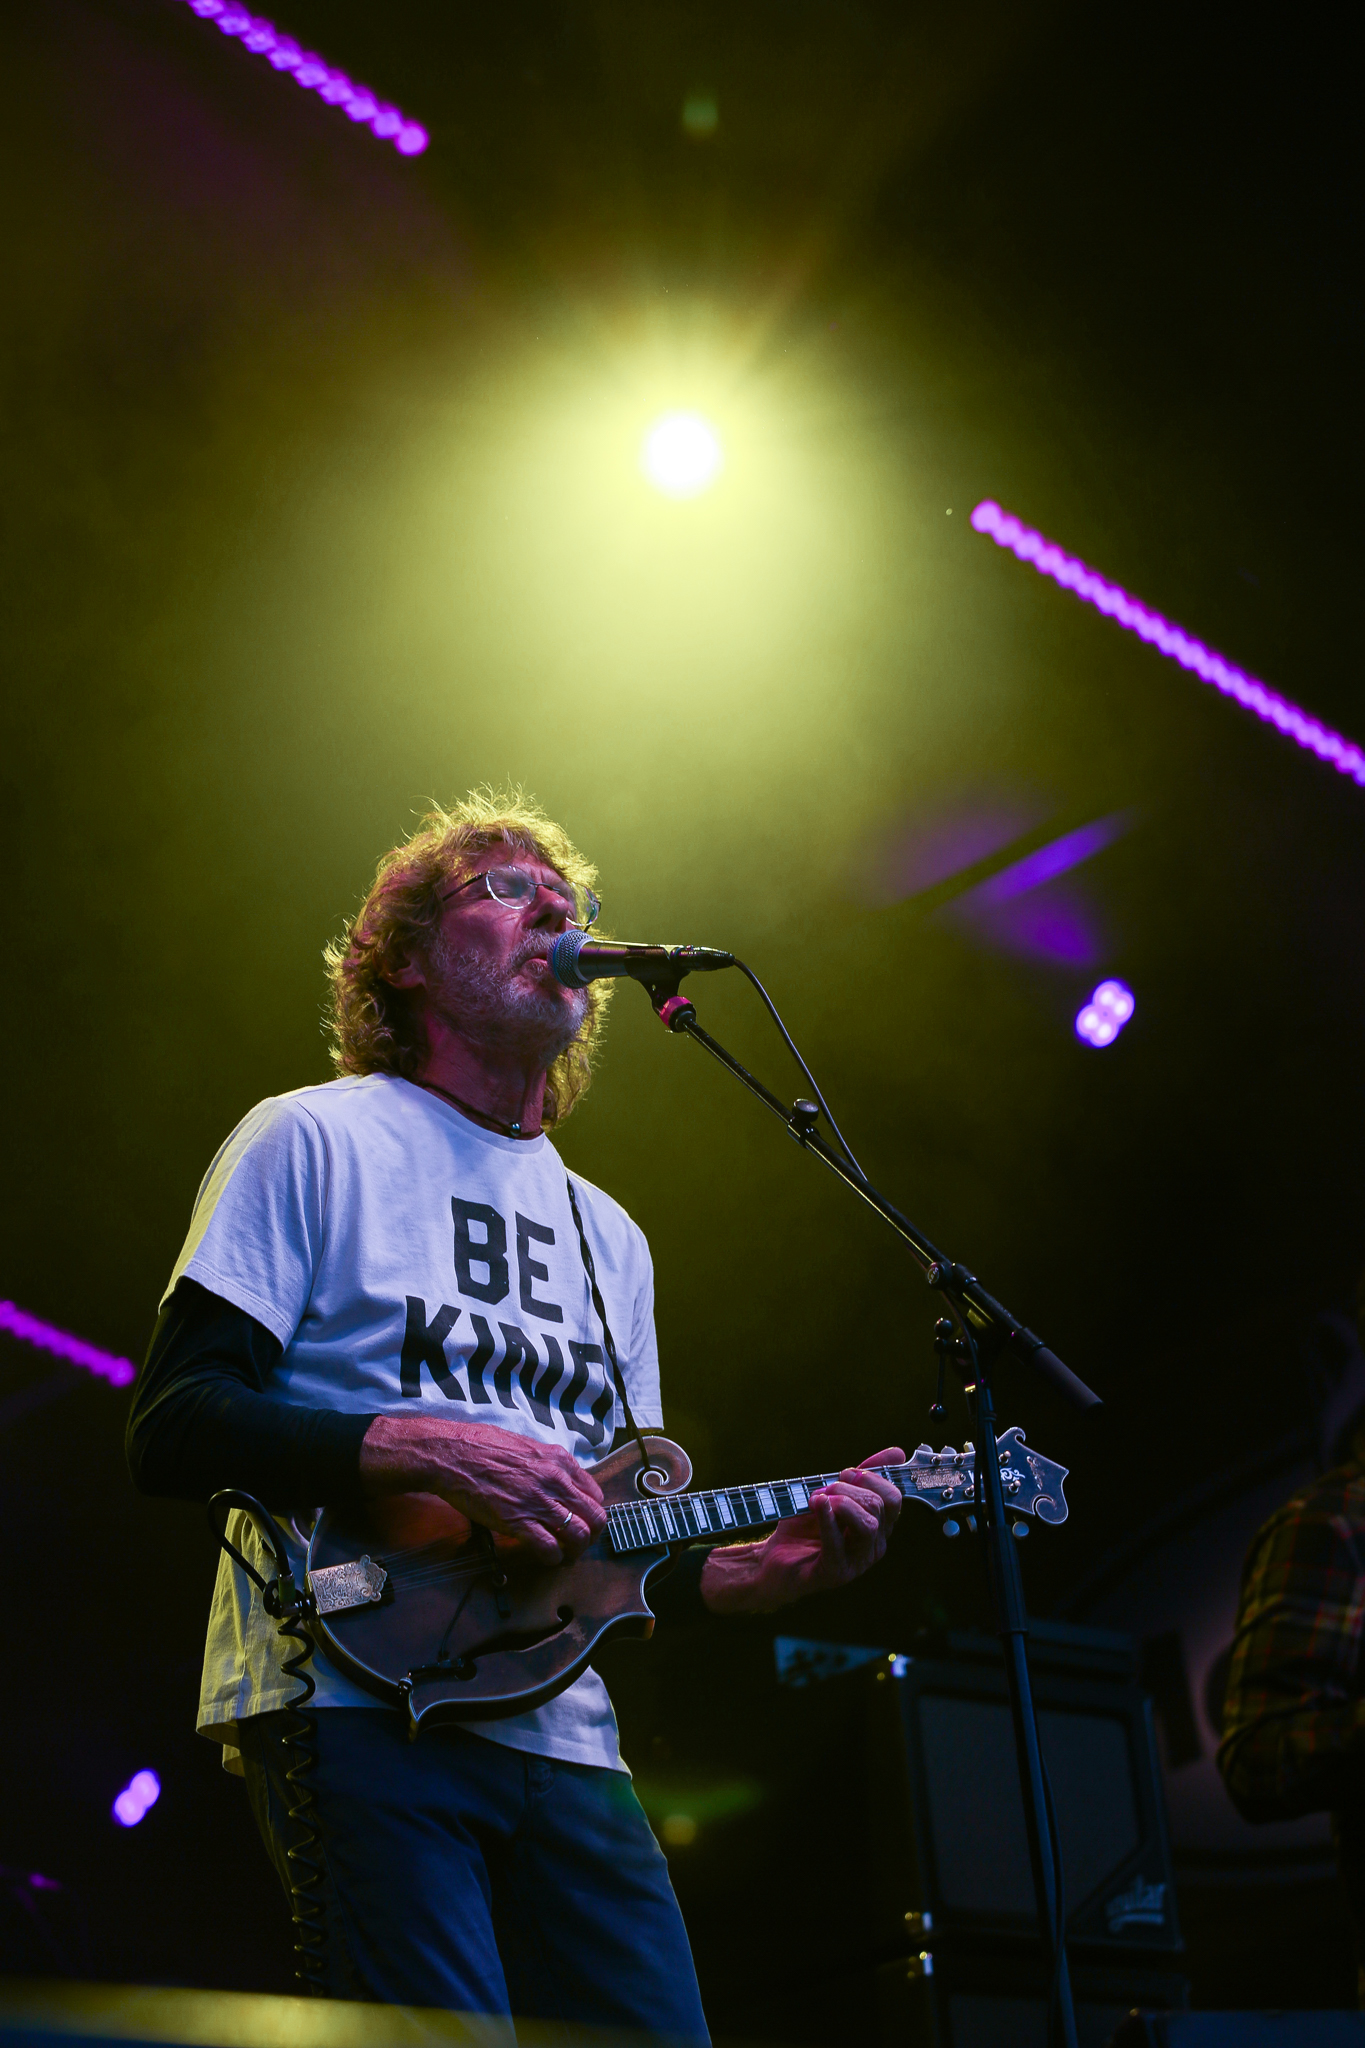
(1032, 1484)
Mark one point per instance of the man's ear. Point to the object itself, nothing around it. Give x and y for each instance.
(404, 973)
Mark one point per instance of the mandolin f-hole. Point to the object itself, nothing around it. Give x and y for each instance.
(466, 1665)
(519, 1639)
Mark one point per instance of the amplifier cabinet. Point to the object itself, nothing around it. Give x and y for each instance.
(971, 1852)
(997, 2001)
(909, 1765)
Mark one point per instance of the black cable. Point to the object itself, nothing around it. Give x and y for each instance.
(811, 1081)
(1058, 1902)
(286, 1605)
(1054, 1991)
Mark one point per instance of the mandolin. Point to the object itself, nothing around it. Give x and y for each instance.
(433, 1614)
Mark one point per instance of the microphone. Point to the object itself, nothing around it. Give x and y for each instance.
(576, 959)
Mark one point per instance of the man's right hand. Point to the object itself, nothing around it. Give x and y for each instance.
(535, 1493)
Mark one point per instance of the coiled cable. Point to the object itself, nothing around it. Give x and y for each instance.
(284, 1602)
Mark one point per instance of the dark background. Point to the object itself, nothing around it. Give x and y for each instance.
(317, 506)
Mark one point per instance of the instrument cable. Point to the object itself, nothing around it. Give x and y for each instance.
(811, 1081)
(1058, 1900)
(286, 1605)
(1054, 1989)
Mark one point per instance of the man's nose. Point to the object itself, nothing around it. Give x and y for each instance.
(549, 909)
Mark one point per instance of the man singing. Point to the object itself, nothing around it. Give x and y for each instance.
(383, 1291)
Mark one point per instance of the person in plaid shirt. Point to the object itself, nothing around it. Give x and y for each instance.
(1293, 1738)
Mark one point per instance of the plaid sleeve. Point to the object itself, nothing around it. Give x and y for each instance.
(1293, 1726)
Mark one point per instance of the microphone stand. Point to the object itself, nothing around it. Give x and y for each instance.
(986, 1330)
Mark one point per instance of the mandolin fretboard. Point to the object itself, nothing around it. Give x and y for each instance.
(674, 1518)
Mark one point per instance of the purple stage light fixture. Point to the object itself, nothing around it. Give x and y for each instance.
(120, 1372)
(137, 1798)
(1266, 704)
(1105, 1015)
(314, 74)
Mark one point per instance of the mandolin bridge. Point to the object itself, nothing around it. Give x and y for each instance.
(360, 1583)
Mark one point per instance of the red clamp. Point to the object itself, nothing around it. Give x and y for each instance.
(675, 1011)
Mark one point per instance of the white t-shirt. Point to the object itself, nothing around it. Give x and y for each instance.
(374, 1230)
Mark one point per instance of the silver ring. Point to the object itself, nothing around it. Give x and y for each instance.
(567, 1515)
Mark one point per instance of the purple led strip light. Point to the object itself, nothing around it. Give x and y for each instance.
(314, 74)
(120, 1372)
(1049, 560)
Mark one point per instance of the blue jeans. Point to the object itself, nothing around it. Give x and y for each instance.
(463, 1874)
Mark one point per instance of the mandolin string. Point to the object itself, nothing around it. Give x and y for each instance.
(441, 1568)
(811, 1483)
(621, 1509)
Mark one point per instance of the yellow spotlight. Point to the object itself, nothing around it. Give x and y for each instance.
(681, 454)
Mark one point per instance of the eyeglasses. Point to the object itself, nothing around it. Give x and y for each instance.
(514, 885)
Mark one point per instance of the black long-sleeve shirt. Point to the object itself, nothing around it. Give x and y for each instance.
(203, 1417)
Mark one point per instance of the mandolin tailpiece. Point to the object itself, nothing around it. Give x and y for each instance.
(359, 1583)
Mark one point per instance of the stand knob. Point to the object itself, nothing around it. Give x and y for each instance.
(675, 1012)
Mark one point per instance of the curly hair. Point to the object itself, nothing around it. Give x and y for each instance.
(374, 1027)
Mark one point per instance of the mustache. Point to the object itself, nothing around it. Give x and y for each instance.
(461, 972)
(534, 949)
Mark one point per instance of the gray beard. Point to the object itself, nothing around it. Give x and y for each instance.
(490, 1006)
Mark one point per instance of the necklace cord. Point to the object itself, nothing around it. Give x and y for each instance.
(480, 1115)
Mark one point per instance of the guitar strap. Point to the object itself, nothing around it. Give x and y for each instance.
(608, 1341)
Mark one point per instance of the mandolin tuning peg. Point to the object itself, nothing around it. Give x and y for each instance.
(951, 1529)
